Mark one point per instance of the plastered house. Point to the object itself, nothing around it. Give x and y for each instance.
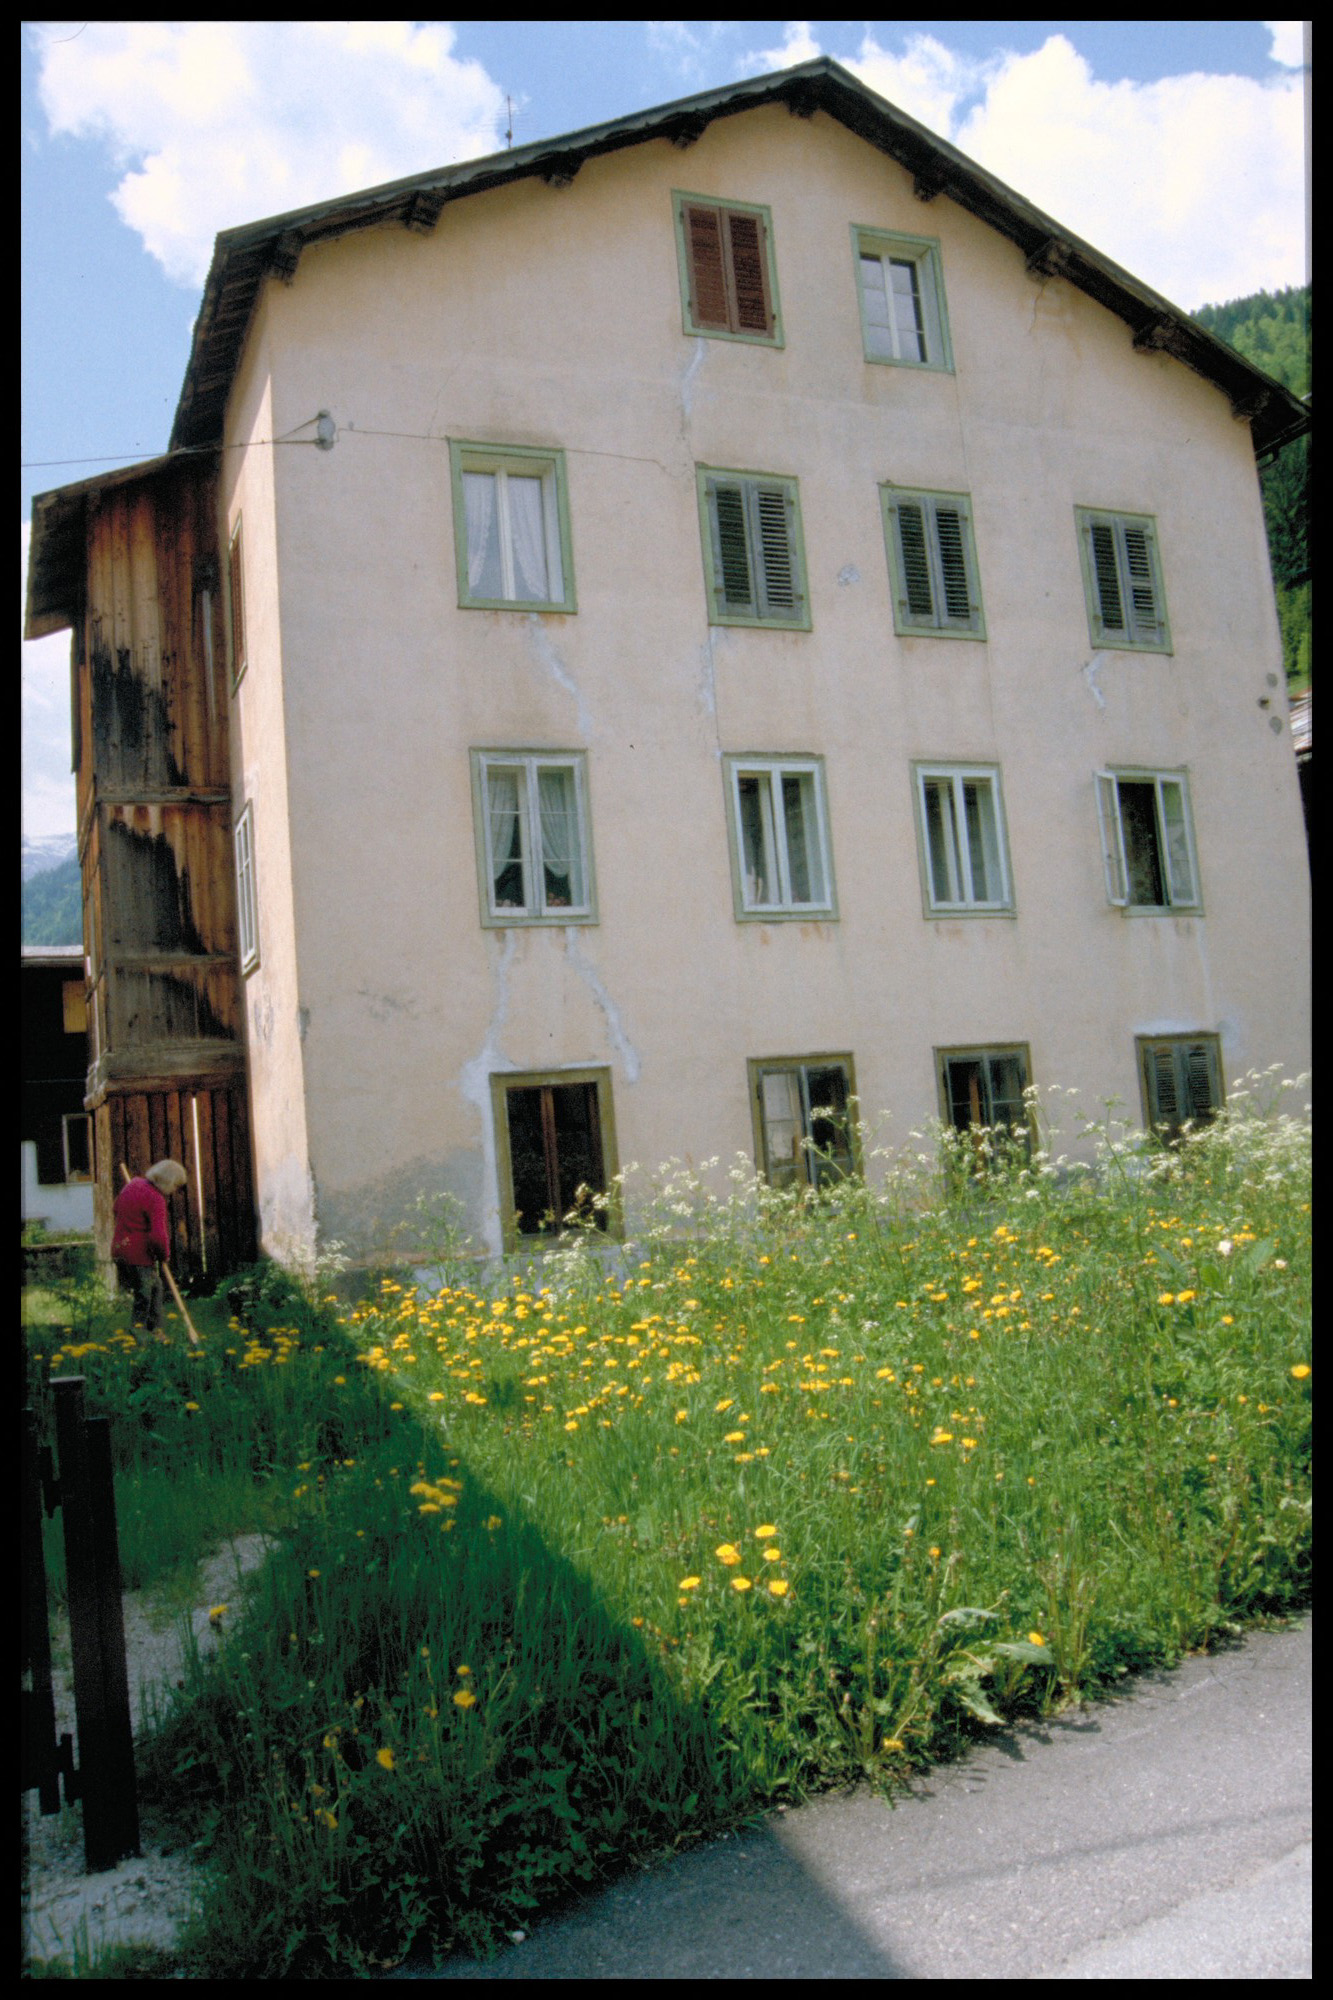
(643, 639)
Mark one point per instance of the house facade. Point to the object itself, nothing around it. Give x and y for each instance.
(726, 614)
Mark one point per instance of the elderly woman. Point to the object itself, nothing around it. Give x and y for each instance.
(140, 1242)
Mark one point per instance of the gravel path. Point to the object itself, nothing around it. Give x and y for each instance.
(146, 1899)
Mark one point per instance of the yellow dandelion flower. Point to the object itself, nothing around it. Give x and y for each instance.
(1300, 1371)
(465, 1698)
(725, 1553)
(765, 1533)
(1036, 1639)
(688, 1583)
(1183, 1298)
(773, 1555)
(217, 1612)
(778, 1587)
(741, 1583)
(1166, 1298)
(384, 1757)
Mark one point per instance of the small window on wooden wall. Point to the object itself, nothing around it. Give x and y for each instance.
(236, 600)
(728, 279)
(247, 912)
(555, 1150)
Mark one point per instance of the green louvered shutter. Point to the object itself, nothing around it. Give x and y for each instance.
(774, 542)
(731, 547)
(917, 598)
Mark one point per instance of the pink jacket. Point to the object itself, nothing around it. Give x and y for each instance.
(140, 1235)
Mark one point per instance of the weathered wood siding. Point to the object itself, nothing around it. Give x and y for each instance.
(207, 1130)
(166, 1052)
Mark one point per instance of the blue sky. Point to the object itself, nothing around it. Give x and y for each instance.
(1178, 148)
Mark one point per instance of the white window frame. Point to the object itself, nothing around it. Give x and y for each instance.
(884, 344)
(956, 857)
(939, 622)
(527, 766)
(771, 772)
(503, 462)
(1179, 871)
(1130, 543)
(247, 900)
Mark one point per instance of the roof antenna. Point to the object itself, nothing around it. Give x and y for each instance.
(509, 130)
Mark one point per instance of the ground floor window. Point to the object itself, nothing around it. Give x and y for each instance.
(802, 1113)
(555, 1144)
(1182, 1081)
(983, 1088)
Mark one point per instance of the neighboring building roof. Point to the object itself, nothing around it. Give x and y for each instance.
(52, 954)
(57, 549)
(244, 257)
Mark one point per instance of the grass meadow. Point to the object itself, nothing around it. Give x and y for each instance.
(608, 1554)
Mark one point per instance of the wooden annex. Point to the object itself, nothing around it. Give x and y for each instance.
(128, 561)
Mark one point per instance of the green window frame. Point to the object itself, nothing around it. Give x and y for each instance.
(935, 579)
(728, 271)
(778, 835)
(533, 837)
(754, 553)
(794, 1144)
(985, 1086)
(236, 601)
(512, 544)
(555, 1134)
(962, 840)
(247, 902)
(1147, 833)
(1122, 581)
(900, 293)
(1181, 1080)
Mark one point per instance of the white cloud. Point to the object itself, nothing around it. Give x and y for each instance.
(48, 788)
(1195, 183)
(1288, 42)
(216, 123)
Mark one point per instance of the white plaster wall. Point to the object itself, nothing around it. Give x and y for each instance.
(65, 1205)
(259, 758)
(552, 318)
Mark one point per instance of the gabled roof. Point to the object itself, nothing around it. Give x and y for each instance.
(243, 258)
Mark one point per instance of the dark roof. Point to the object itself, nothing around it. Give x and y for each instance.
(57, 550)
(244, 257)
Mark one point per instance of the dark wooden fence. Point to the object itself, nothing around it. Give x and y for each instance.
(80, 1484)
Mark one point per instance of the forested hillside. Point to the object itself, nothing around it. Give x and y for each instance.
(1272, 329)
(53, 907)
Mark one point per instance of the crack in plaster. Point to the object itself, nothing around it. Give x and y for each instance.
(687, 379)
(625, 1049)
(544, 647)
(1090, 673)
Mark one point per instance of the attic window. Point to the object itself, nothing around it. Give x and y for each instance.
(727, 277)
(901, 284)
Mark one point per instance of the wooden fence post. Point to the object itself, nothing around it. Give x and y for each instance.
(106, 1780)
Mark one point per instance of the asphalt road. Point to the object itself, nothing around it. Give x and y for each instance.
(1163, 1835)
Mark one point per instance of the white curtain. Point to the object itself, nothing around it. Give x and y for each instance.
(560, 843)
(506, 851)
(527, 534)
(483, 538)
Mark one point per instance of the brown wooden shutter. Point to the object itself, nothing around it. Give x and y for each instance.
(745, 235)
(708, 279)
